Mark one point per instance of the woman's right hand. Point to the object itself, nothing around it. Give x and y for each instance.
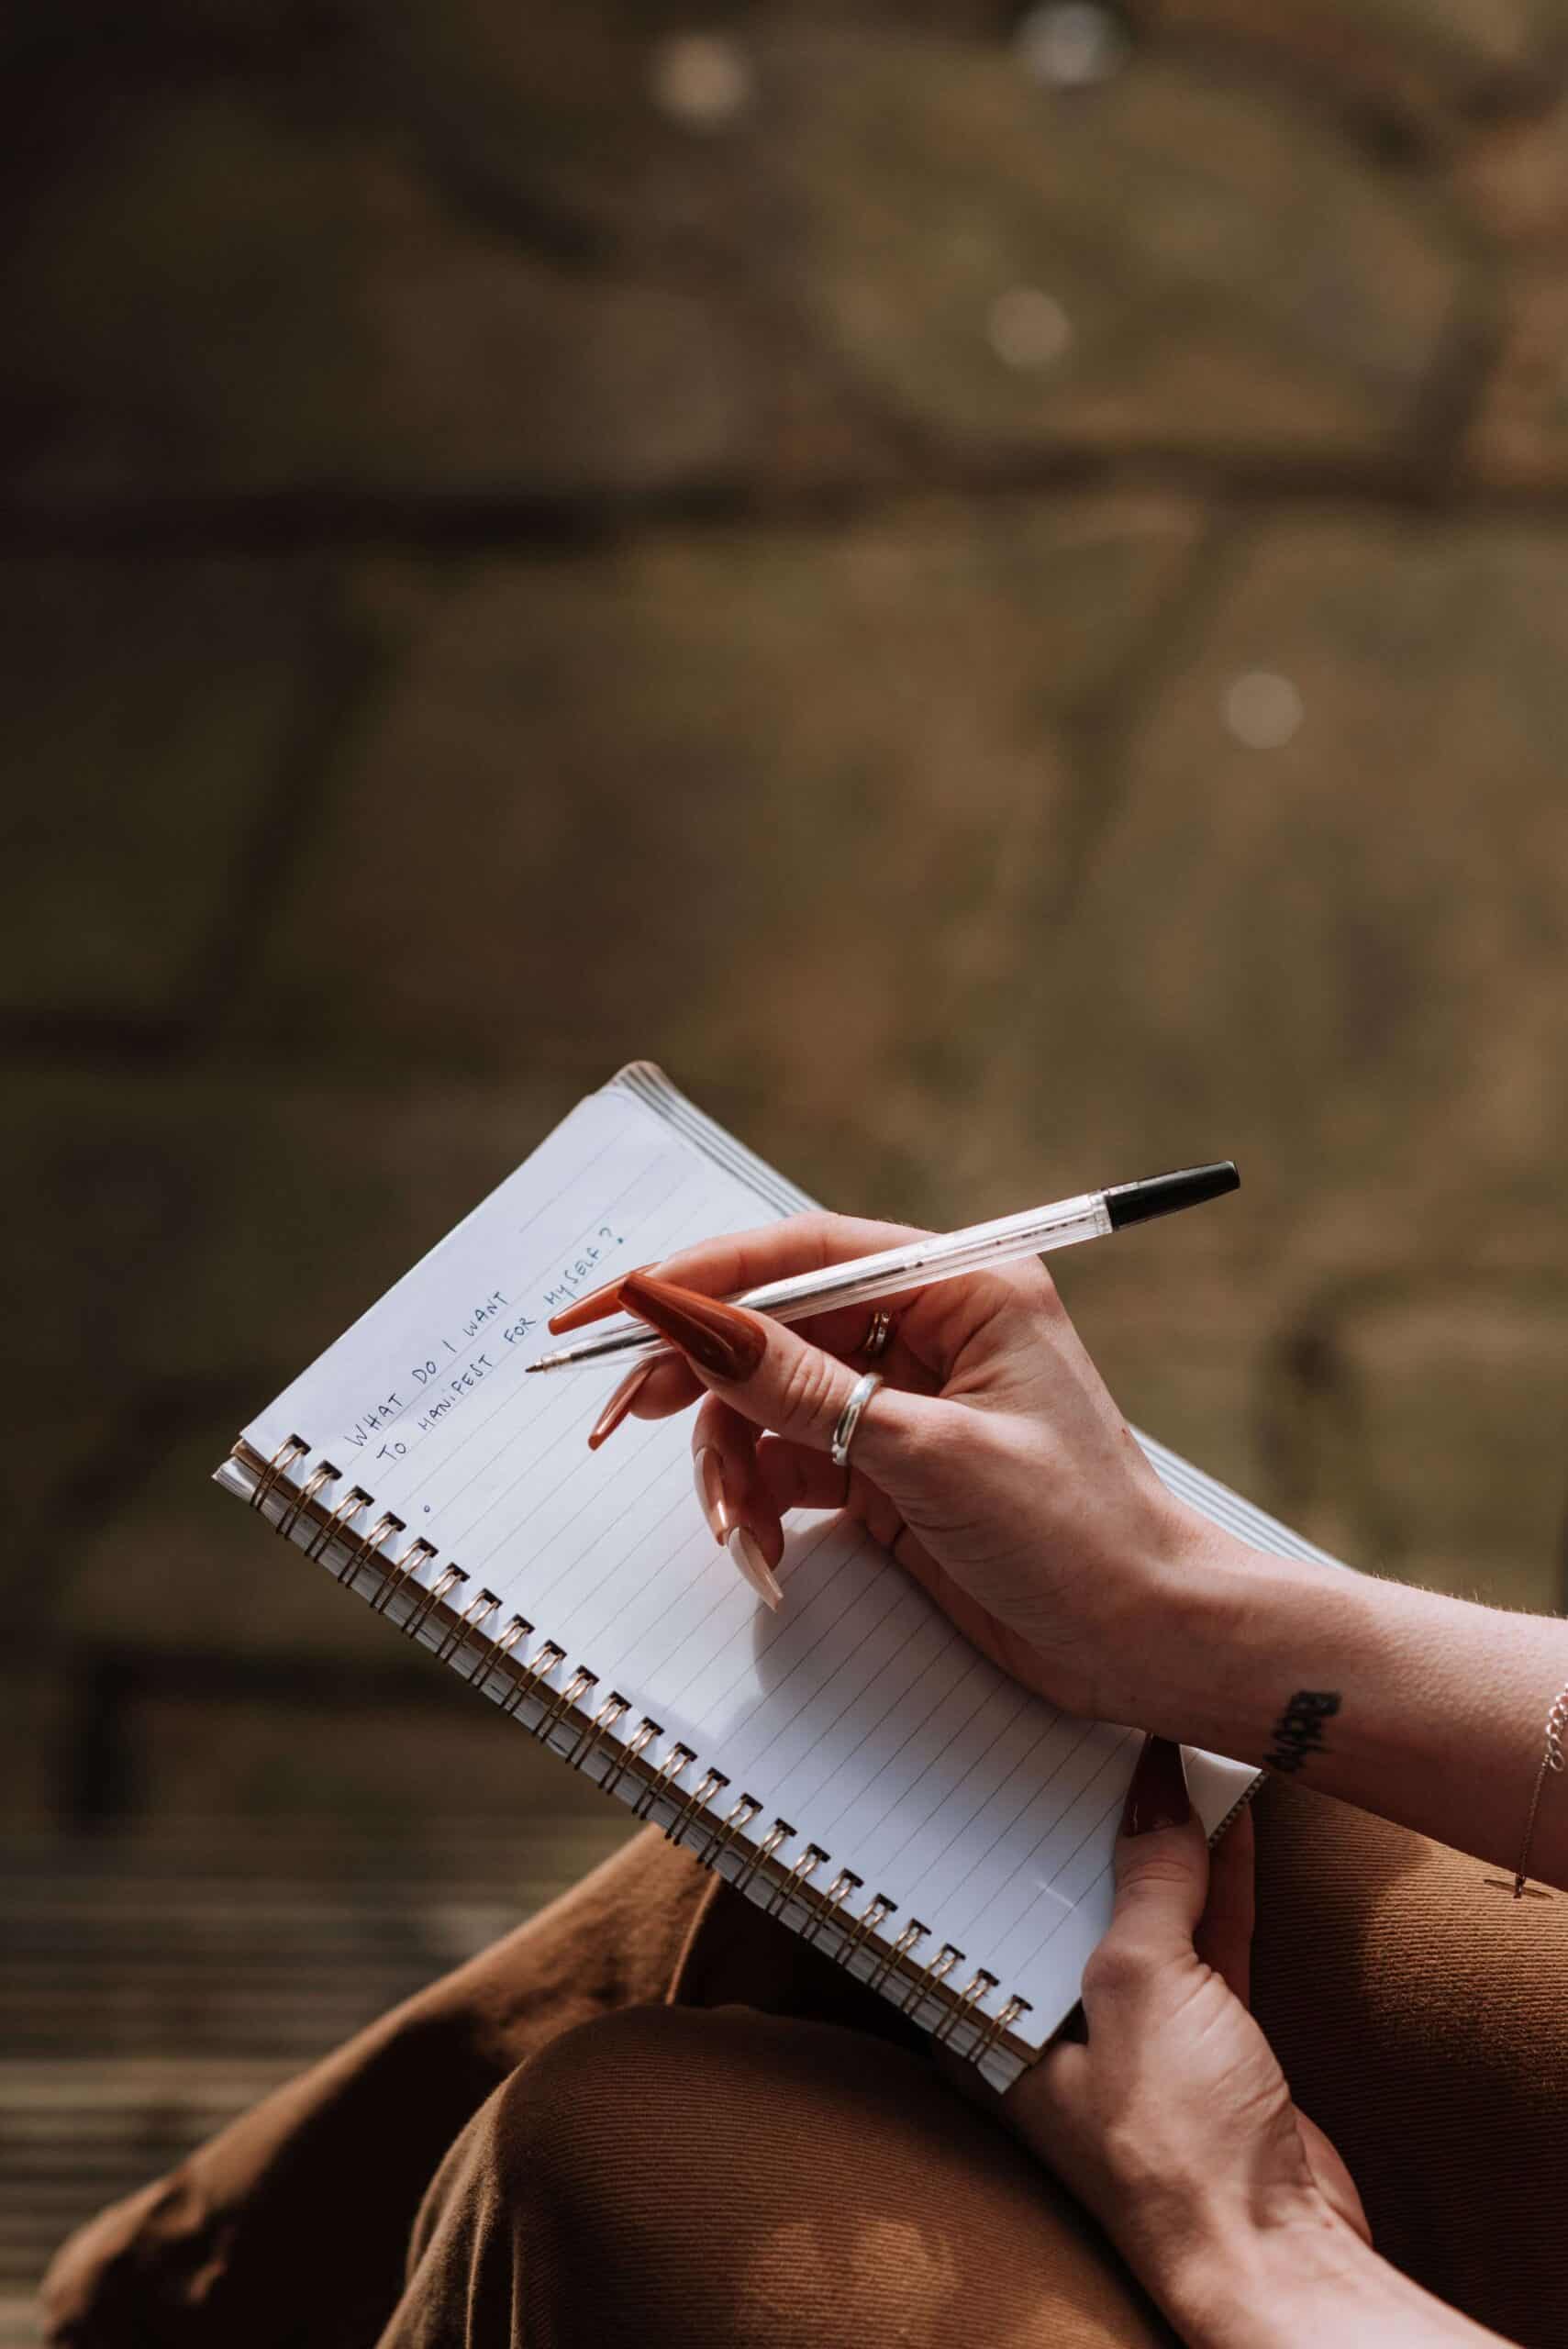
(994, 1464)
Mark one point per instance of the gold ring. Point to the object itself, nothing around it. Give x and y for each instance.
(878, 1337)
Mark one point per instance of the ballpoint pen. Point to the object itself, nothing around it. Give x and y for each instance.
(1091, 1215)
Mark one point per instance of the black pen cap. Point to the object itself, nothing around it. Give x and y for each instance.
(1164, 1194)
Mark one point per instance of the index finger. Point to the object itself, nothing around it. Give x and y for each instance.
(935, 1321)
(742, 1260)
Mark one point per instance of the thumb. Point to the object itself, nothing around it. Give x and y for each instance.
(1161, 1859)
(774, 1377)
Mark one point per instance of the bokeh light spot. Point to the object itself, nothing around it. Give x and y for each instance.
(1263, 710)
(700, 81)
(1071, 44)
(1029, 328)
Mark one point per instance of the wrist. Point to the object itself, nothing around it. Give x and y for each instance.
(1310, 2277)
(1216, 1615)
(1239, 1631)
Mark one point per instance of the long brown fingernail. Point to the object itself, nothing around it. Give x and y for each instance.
(719, 1338)
(592, 1308)
(619, 1404)
(1158, 1795)
(707, 1469)
(746, 1552)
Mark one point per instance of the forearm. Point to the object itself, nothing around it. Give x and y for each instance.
(1258, 2293)
(1426, 1709)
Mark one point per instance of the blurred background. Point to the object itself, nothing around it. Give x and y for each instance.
(987, 586)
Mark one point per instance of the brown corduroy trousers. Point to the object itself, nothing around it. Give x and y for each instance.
(653, 2116)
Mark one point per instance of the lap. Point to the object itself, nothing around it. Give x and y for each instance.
(1419, 2017)
(723, 2179)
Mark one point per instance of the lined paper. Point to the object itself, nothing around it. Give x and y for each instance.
(857, 1713)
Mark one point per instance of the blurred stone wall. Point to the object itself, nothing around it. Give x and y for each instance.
(990, 592)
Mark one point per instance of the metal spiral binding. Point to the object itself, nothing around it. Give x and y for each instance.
(897, 1953)
(826, 1905)
(333, 1529)
(791, 1886)
(673, 1764)
(613, 1708)
(325, 1475)
(698, 1800)
(877, 1910)
(978, 1989)
(440, 1614)
(778, 1835)
(369, 1547)
(500, 1648)
(532, 1677)
(631, 1752)
(942, 1966)
(723, 1834)
(467, 1623)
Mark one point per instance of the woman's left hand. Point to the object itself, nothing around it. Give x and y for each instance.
(1173, 2121)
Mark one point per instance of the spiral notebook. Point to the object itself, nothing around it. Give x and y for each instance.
(850, 1763)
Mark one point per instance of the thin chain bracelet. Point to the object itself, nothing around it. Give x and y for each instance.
(1552, 1758)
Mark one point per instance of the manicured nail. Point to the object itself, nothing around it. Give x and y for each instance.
(1158, 1794)
(619, 1404)
(720, 1339)
(707, 1469)
(743, 1548)
(592, 1308)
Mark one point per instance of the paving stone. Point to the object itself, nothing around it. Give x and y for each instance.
(762, 807)
(230, 1230)
(176, 1565)
(36, 1709)
(1182, 1343)
(387, 1769)
(1167, 259)
(956, 858)
(326, 323)
(75, 1427)
(100, 1194)
(1433, 1441)
(1519, 434)
(1339, 958)
(1513, 175)
(522, 278)
(151, 713)
(1435, 64)
(1414, 1432)
(95, 37)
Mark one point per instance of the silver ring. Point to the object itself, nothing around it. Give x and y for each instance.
(875, 1341)
(859, 1395)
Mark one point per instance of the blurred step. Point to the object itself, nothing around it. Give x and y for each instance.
(19, 2325)
(151, 1990)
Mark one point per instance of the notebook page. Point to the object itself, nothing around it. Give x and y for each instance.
(857, 1713)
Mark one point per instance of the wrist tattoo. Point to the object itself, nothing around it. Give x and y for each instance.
(1298, 1732)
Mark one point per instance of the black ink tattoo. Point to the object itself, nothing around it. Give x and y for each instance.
(1299, 1730)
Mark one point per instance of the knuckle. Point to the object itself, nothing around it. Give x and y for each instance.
(917, 1434)
(920, 1444)
(709, 1421)
(808, 1391)
(1117, 1968)
(805, 1223)
(1125, 2149)
(1156, 1873)
(819, 1229)
(1034, 1284)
